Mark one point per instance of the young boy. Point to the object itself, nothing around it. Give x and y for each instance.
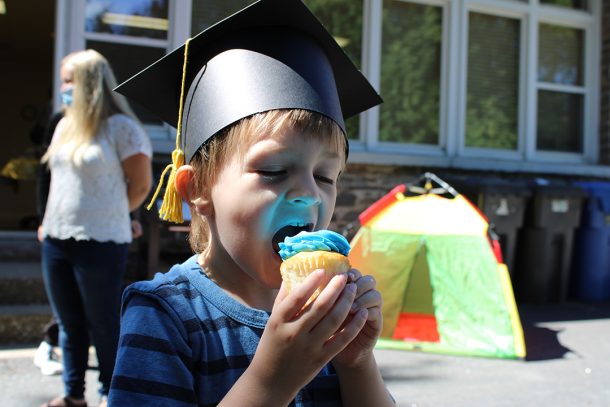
(262, 132)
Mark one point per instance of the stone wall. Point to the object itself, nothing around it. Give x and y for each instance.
(360, 186)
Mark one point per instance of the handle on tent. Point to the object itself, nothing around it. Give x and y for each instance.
(428, 188)
(398, 191)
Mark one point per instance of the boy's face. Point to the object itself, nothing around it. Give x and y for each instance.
(283, 184)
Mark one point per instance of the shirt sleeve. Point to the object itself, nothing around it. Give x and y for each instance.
(154, 363)
(130, 137)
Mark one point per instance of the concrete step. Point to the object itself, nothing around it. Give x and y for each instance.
(21, 283)
(24, 309)
(23, 324)
(19, 245)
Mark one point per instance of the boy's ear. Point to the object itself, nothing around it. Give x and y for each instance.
(184, 186)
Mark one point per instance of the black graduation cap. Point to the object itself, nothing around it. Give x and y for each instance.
(273, 54)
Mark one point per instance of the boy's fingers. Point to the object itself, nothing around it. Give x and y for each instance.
(333, 305)
(369, 299)
(365, 283)
(353, 275)
(297, 299)
(375, 316)
(348, 333)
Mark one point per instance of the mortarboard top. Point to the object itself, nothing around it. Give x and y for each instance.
(273, 54)
(279, 56)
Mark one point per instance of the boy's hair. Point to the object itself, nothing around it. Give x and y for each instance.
(94, 101)
(236, 139)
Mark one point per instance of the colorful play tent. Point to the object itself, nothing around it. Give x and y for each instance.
(444, 286)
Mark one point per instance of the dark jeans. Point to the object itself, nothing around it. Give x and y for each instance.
(83, 281)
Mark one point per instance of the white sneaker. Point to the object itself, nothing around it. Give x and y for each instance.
(47, 360)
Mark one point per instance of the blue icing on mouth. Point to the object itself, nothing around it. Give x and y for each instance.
(325, 240)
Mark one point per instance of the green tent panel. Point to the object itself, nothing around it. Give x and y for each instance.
(442, 292)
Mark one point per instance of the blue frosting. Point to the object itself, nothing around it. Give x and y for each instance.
(325, 240)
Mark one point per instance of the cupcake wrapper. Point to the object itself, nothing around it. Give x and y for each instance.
(295, 269)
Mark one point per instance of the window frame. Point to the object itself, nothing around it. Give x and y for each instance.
(554, 15)
(451, 150)
(512, 13)
(72, 14)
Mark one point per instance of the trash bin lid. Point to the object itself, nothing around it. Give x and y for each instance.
(598, 189)
(557, 188)
(489, 184)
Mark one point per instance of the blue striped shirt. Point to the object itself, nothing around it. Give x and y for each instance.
(185, 342)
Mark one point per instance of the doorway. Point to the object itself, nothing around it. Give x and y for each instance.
(26, 79)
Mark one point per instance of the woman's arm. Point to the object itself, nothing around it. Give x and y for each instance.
(138, 172)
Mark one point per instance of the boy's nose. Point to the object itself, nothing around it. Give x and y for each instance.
(304, 192)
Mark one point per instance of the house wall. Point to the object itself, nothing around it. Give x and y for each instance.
(604, 131)
(360, 186)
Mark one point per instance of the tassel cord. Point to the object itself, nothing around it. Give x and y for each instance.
(171, 208)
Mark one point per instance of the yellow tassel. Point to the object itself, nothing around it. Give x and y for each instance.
(171, 208)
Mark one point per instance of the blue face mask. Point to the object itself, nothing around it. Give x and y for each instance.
(66, 97)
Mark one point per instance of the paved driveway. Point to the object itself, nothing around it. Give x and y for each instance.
(568, 365)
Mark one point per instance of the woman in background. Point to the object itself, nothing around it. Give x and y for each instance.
(100, 163)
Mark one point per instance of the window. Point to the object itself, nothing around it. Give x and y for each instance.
(410, 73)
(512, 80)
(343, 19)
(575, 4)
(131, 35)
(464, 82)
(208, 12)
(561, 92)
(126, 60)
(136, 19)
(493, 82)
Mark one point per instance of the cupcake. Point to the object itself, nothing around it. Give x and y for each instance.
(309, 251)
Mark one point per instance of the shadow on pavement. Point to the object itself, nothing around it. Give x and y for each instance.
(543, 343)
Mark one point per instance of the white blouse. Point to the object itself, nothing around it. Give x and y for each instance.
(89, 201)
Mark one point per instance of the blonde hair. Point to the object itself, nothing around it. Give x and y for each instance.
(236, 139)
(93, 101)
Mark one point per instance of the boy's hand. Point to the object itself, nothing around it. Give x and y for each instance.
(368, 301)
(297, 342)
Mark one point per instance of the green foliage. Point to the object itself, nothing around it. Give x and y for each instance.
(410, 73)
(343, 19)
(493, 77)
